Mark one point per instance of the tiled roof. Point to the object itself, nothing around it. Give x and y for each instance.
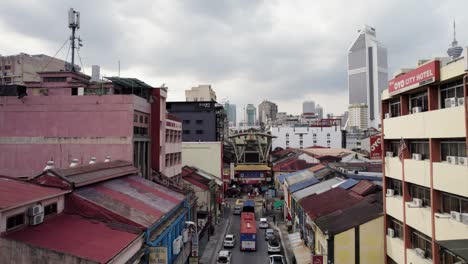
(318, 188)
(141, 201)
(76, 236)
(328, 202)
(15, 193)
(355, 215)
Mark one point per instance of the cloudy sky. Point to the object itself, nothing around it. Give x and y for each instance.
(283, 51)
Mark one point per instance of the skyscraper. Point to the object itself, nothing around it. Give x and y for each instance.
(367, 73)
(319, 111)
(267, 111)
(308, 107)
(231, 113)
(251, 115)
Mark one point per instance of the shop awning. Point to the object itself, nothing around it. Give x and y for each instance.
(302, 253)
(252, 167)
(458, 247)
(278, 204)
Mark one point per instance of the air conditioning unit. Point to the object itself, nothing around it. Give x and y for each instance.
(388, 115)
(389, 154)
(185, 235)
(460, 101)
(417, 156)
(420, 252)
(390, 232)
(35, 210)
(450, 102)
(452, 160)
(36, 219)
(417, 202)
(390, 192)
(417, 109)
(457, 216)
(463, 161)
(465, 218)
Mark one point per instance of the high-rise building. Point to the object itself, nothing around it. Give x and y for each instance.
(319, 111)
(425, 167)
(251, 115)
(201, 93)
(231, 113)
(267, 112)
(357, 117)
(308, 107)
(367, 73)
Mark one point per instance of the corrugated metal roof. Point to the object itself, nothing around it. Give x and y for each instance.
(88, 174)
(358, 214)
(316, 188)
(364, 187)
(328, 202)
(302, 176)
(301, 185)
(252, 167)
(282, 177)
(76, 236)
(348, 184)
(317, 167)
(139, 200)
(14, 193)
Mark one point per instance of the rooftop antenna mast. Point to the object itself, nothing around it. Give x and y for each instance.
(74, 24)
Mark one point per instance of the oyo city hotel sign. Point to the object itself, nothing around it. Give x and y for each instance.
(427, 73)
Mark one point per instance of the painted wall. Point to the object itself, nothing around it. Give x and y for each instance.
(412, 258)
(204, 155)
(64, 127)
(394, 206)
(420, 219)
(307, 137)
(321, 244)
(396, 249)
(393, 168)
(418, 172)
(371, 242)
(344, 247)
(450, 178)
(449, 229)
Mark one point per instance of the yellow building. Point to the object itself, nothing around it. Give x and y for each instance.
(426, 201)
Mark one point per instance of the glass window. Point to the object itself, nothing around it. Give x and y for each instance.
(447, 257)
(50, 209)
(199, 132)
(397, 227)
(419, 240)
(420, 147)
(419, 100)
(15, 221)
(452, 148)
(394, 146)
(395, 185)
(455, 203)
(395, 108)
(186, 122)
(186, 132)
(450, 90)
(420, 192)
(199, 122)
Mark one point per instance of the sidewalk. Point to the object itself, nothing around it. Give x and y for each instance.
(216, 240)
(285, 243)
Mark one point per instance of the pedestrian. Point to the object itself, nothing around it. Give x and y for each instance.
(274, 219)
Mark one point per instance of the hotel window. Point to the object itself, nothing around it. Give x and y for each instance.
(420, 192)
(50, 209)
(393, 146)
(15, 221)
(300, 136)
(315, 141)
(141, 119)
(454, 147)
(419, 100)
(395, 185)
(146, 120)
(419, 240)
(395, 108)
(447, 257)
(328, 135)
(186, 122)
(450, 90)
(300, 143)
(455, 203)
(419, 147)
(199, 122)
(397, 227)
(287, 143)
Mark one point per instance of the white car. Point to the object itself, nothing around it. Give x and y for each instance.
(229, 241)
(237, 210)
(274, 246)
(276, 259)
(263, 223)
(224, 257)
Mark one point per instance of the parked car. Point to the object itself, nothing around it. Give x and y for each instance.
(224, 257)
(229, 241)
(263, 223)
(274, 246)
(276, 259)
(269, 234)
(237, 210)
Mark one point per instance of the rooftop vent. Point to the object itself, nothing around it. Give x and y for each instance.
(74, 163)
(49, 165)
(92, 160)
(108, 159)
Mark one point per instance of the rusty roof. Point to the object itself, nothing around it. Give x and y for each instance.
(364, 188)
(15, 193)
(88, 174)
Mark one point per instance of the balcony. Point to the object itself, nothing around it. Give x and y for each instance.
(418, 172)
(450, 178)
(394, 207)
(396, 249)
(393, 168)
(448, 229)
(419, 218)
(442, 123)
(413, 258)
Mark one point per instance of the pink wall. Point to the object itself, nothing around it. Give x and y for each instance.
(62, 128)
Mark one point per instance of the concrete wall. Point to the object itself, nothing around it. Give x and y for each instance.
(62, 128)
(419, 218)
(450, 178)
(344, 250)
(204, 155)
(418, 172)
(394, 206)
(393, 168)
(17, 252)
(371, 242)
(396, 249)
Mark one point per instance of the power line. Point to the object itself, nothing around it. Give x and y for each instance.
(81, 63)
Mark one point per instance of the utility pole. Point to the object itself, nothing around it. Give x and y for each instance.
(74, 24)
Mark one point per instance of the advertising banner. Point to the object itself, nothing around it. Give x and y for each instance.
(425, 74)
(376, 147)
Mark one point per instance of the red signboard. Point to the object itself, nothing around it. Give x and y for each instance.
(376, 147)
(317, 259)
(427, 73)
